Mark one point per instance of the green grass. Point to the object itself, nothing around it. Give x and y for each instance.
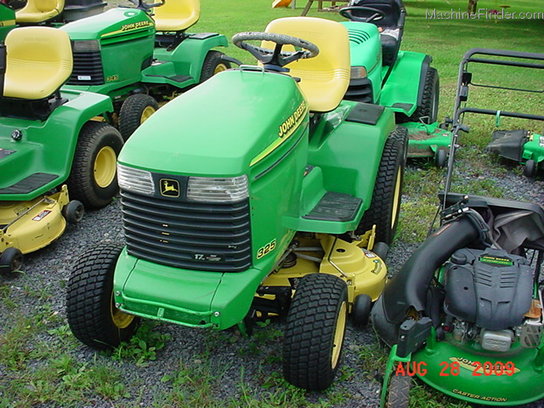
(45, 371)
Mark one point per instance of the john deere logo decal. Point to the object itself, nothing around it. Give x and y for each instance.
(169, 188)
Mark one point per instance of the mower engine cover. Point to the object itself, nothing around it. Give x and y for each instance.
(490, 288)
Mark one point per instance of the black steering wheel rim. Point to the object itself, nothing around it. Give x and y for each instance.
(275, 57)
(377, 14)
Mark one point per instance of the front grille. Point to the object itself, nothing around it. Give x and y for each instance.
(358, 36)
(190, 235)
(87, 68)
(359, 90)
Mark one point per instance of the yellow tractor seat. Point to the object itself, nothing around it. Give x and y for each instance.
(176, 15)
(323, 79)
(38, 62)
(38, 11)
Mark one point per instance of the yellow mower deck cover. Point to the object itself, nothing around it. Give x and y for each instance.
(176, 15)
(325, 78)
(39, 61)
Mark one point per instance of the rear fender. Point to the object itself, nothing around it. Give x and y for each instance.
(400, 92)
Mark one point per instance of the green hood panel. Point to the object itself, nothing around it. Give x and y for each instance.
(364, 45)
(114, 23)
(218, 128)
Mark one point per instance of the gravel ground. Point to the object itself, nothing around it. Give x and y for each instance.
(230, 355)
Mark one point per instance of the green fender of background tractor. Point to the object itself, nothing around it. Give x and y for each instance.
(366, 51)
(186, 59)
(524, 386)
(534, 149)
(46, 147)
(402, 91)
(7, 20)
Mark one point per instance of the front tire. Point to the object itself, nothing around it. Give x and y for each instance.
(398, 392)
(135, 110)
(92, 315)
(93, 179)
(316, 325)
(386, 198)
(213, 64)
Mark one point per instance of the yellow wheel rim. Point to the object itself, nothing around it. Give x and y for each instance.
(396, 198)
(219, 68)
(104, 167)
(148, 111)
(120, 319)
(339, 335)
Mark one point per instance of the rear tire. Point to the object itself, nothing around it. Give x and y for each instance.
(136, 109)
(530, 169)
(427, 110)
(316, 325)
(398, 392)
(93, 178)
(213, 64)
(386, 198)
(92, 315)
(11, 260)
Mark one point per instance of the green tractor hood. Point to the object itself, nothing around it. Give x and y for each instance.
(217, 129)
(111, 25)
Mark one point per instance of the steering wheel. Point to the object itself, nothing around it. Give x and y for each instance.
(142, 5)
(369, 14)
(275, 57)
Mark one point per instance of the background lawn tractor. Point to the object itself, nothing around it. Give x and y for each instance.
(237, 209)
(48, 141)
(139, 58)
(401, 80)
(46, 12)
(465, 313)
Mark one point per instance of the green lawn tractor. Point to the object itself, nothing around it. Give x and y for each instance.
(48, 141)
(402, 80)
(465, 313)
(282, 205)
(142, 56)
(46, 12)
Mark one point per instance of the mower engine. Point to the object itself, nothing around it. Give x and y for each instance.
(489, 300)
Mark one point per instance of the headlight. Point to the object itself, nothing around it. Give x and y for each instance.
(217, 190)
(135, 180)
(358, 72)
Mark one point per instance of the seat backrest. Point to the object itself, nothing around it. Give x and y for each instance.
(176, 15)
(325, 78)
(37, 11)
(38, 62)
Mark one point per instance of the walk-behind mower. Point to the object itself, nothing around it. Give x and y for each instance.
(48, 139)
(519, 145)
(465, 312)
(236, 210)
(139, 58)
(403, 80)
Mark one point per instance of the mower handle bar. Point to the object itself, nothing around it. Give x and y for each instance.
(500, 53)
(501, 113)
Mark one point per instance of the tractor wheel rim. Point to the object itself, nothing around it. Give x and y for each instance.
(219, 68)
(339, 335)
(146, 114)
(105, 166)
(120, 319)
(396, 199)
